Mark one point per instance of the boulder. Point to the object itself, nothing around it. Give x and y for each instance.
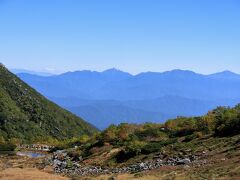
(185, 161)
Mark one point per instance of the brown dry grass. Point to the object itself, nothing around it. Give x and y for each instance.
(24, 168)
(27, 174)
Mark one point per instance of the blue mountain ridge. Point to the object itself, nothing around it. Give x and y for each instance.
(114, 96)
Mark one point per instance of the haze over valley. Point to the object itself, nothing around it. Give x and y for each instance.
(114, 96)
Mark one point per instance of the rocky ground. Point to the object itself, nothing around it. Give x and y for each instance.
(60, 166)
(206, 158)
(224, 165)
(63, 165)
(212, 159)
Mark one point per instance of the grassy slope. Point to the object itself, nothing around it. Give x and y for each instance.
(25, 114)
(214, 139)
(221, 160)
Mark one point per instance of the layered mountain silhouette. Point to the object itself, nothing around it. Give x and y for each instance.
(150, 96)
(18, 71)
(27, 115)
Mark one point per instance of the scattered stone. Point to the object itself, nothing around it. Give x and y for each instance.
(63, 164)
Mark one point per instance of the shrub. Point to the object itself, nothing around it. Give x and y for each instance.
(156, 146)
(190, 137)
(181, 126)
(227, 121)
(124, 155)
(7, 147)
(75, 155)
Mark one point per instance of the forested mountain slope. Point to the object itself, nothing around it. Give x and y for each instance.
(27, 115)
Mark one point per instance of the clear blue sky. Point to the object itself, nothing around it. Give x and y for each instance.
(132, 35)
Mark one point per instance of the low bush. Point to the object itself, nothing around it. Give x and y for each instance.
(156, 146)
(7, 147)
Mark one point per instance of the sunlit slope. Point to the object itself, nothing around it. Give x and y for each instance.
(26, 114)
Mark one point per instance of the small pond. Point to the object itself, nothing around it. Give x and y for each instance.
(31, 154)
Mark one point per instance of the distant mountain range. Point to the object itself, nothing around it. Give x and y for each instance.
(114, 96)
(18, 71)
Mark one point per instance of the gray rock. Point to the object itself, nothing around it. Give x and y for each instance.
(185, 161)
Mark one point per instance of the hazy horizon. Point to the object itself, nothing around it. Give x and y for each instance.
(113, 68)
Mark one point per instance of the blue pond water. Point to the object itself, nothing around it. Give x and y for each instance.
(30, 154)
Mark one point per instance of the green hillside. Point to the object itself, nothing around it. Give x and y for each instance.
(27, 115)
(205, 147)
(136, 139)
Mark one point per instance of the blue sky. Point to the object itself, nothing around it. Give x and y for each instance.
(132, 35)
